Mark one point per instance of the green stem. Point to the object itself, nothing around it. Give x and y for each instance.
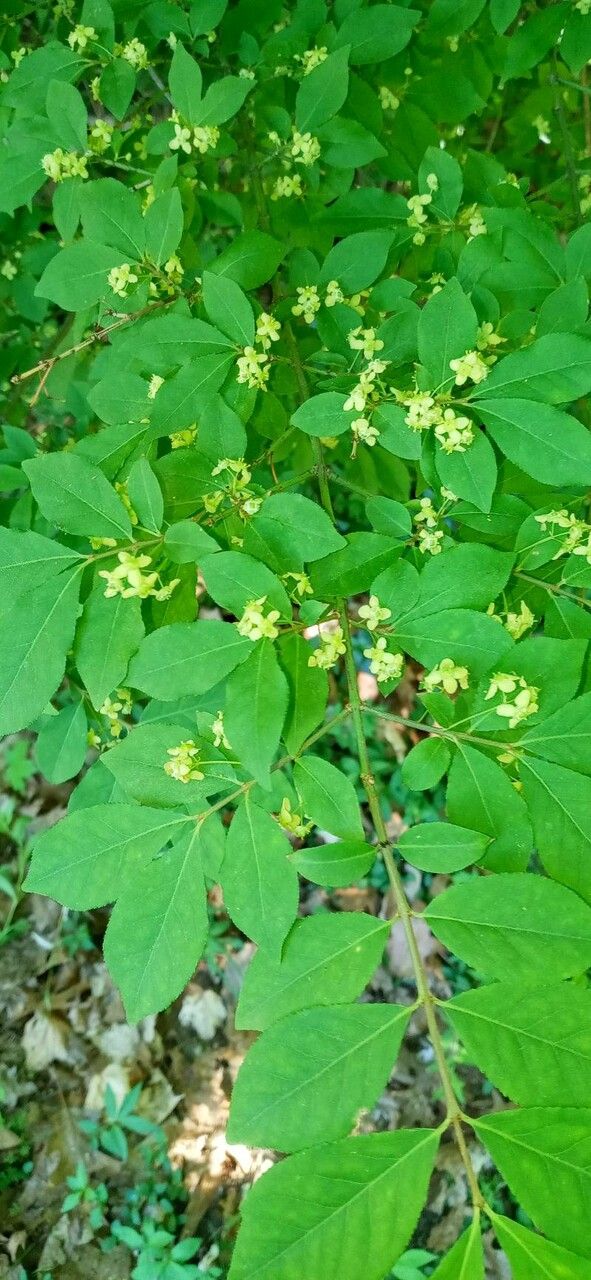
(454, 1118)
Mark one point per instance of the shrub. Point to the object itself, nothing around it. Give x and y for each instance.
(305, 251)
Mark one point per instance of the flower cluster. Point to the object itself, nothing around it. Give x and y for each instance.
(487, 339)
(218, 731)
(133, 52)
(384, 665)
(417, 216)
(388, 99)
(331, 648)
(128, 579)
(183, 765)
(287, 186)
(120, 278)
(429, 536)
(301, 583)
(515, 622)
(114, 709)
(183, 439)
(308, 303)
(471, 367)
(100, 137)
(268, 330)
(238, 475)
(200, 138)
(577, 539)
(293, 822)
(363, 433)
(334, 294)
(312, 58)
(518, 708)
(305, 148)
(447, 675)
(60, 164)
(423, 411)
(79, 37)
(253, 368)
(365, 390)
(365, 340)
(374, 613)
(256, 624)
(455, 433)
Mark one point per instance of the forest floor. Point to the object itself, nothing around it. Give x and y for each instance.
(69, 1125)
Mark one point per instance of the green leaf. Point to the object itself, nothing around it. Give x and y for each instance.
(76, 277)
(186, 395)
(470, 638)
(502, 924)
(323, 91)
(397, 587)
(187, 657)
(426, 764)
(251, 259)
(228, 308)
(307, 689)
(328, 797)
(84, 860)
(108, 633)
(28, 560)
(327, 959)
(256, 705)
(185, 82)
(545, 1155)
(234, 580)
(391, 518)
(187, 543)
(564, 737)
(311, 1212)
(376, 33)
(546, 443)
(352, 570)
(445, 199)
(471, 475)
(466, 1260)
(293, 526)
(289, 1092)
(145, 495)
(556, 369)
(323, 415)
(260, 885)
(481, 796)
(441, 846)
(29, 80)
(466, 577)
(61, 746)
(158, 929)
(447, 328)
(111, 214)
(559, 803)
(76, 497)
(534, 1258)
(116, 86)
(222, 100)
(36, 631)
(67, 113)
(138, 763)
(534, 1044)
(358, 260)
(164, 226)
(335, 865)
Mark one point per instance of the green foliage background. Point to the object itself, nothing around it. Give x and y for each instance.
(265, 263)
